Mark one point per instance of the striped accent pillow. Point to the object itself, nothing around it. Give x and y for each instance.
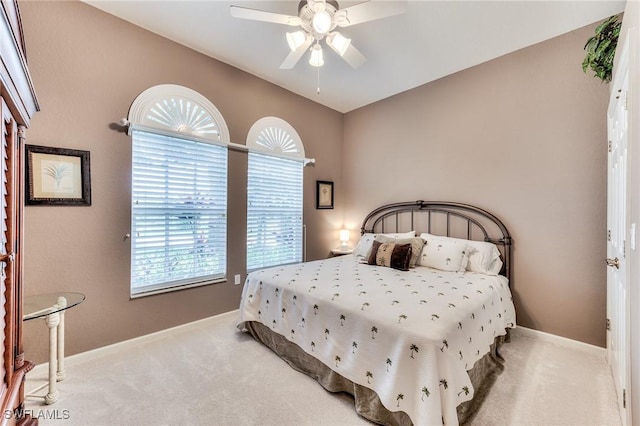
(392, 255)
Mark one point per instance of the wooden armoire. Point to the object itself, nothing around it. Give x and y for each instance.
(16, 109)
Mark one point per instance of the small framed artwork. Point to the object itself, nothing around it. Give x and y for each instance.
(324, 194)
(57, 176)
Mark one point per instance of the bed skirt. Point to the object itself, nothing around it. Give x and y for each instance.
(483, 375)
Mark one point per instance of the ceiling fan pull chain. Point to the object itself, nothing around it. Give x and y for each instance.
(318, 87)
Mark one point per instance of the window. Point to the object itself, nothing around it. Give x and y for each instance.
(179, 191)
(274, 211)
(178, 212)
(274, 194)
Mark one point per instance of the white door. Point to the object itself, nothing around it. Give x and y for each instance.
(617, 274)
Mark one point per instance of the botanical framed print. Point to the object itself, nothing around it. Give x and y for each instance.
(57, 176)
(324, 194)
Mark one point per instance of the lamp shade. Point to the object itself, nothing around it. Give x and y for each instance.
(295, 40)
(344, 239)
(316, 60)
(338, 42)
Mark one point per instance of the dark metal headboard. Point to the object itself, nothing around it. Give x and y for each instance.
(443, 218)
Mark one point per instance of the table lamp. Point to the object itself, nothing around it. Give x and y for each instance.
(344, 239)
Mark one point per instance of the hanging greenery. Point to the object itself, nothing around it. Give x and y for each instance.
(601, 49)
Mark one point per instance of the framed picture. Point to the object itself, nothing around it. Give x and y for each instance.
(324, 194)
(57, 176)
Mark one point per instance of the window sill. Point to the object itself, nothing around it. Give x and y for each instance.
(176, 288)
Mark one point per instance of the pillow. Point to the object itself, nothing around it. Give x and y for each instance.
(445, 254)
(484, 257)
(363, 248)
(392, 255)
(364, 245)
(417, 244)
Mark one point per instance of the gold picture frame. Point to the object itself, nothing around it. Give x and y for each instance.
(57, 176)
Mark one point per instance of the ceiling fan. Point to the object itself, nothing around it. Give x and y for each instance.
(318, 20)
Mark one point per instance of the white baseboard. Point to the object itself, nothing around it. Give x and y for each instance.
(43, 369)
(559, 340)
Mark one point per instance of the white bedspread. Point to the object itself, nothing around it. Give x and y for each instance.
(410, 336)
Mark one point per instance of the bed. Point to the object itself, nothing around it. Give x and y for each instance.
(415, 339)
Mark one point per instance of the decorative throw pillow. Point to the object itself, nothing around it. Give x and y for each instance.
(363, 248)
(417, 244)
(392, 255)
(445, 254)
(484, 257)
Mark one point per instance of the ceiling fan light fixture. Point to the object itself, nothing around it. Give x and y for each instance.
(317, 19)
(321, 22)
(296, 39)
(338, 42)
(316, 59)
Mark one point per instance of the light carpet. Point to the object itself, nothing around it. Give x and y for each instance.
(208, 373)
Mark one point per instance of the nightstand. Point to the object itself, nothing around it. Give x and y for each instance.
(340, 252)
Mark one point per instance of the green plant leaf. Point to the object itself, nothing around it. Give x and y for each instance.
(589, 42)
(602, 48)
(585, 65)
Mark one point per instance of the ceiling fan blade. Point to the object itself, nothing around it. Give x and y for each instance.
(369, 11)
(353, 57)
(261, 15)
(292, 58)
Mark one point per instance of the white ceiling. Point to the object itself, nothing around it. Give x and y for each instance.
(433, 39)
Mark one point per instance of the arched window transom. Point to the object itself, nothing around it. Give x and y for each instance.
(275, 136)
(178, 109)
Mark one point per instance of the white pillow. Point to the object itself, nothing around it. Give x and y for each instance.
(366, 241)
(484, 257)
(444, 254)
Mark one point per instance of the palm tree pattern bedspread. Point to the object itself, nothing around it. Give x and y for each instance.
(409, 336)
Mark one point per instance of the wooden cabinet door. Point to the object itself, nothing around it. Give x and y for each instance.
(13, 368)
(5, 346)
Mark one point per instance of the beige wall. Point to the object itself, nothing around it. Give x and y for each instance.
(523, 136)
(87, 67)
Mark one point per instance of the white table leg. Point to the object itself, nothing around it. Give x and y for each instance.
(52, 320)
(61, 373)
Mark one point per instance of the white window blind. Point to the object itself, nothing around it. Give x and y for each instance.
(274, 211)
(179, 212)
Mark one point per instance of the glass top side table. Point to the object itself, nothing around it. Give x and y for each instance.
(51, 307)
(41, 305)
